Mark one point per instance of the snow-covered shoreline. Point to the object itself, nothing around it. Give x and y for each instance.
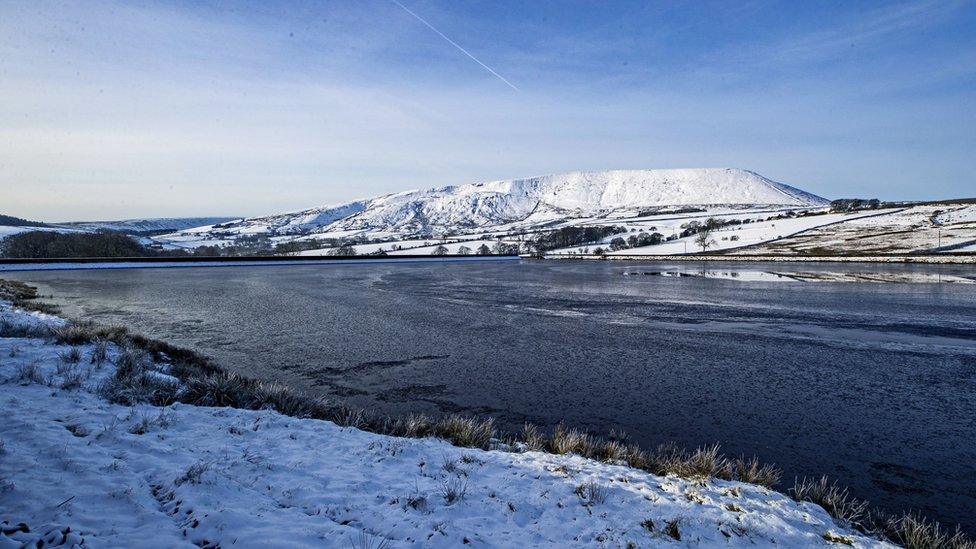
(75, 467)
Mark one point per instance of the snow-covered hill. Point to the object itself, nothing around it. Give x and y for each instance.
(529, 202)
(137, 227)
(154, 225)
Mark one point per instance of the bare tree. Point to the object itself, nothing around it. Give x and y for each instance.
(439, 250)
(464, 250)
(704, 235)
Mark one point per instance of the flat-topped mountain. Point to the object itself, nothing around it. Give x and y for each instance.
(532, 200)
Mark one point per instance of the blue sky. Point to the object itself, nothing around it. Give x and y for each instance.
(112, 109)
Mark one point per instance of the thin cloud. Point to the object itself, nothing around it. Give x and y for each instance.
(871, 28)
(456, 45)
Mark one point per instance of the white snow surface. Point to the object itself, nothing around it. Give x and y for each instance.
(75, 470)
(745, 235)
(921, 228)
(542, 199)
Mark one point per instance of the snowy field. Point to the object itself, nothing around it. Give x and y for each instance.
(757, 231)
(911, 230)
(76, 470)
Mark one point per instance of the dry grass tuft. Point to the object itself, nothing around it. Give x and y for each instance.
(29, 373)
(570, 441)
(454, 490)
(193, 474)
(672, 529)
(591, 493)
(71, 356)
(99, 352)
(834, 499)
(915, 532)
(533, 439)
(134, 382)
(465, 431)
(752, 472)
(10, 329)
(412, 426)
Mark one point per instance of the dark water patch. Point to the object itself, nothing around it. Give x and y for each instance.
(413, 392)
(343, 391)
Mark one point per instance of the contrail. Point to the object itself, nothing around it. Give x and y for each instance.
(455, 44)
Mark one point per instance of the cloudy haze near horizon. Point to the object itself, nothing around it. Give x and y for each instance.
(114, 110)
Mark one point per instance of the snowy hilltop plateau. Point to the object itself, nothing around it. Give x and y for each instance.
(532, 202)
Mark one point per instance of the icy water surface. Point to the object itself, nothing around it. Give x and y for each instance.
(871, 383)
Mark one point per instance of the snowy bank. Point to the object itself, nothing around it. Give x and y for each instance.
(942, 259)
(76, 469)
